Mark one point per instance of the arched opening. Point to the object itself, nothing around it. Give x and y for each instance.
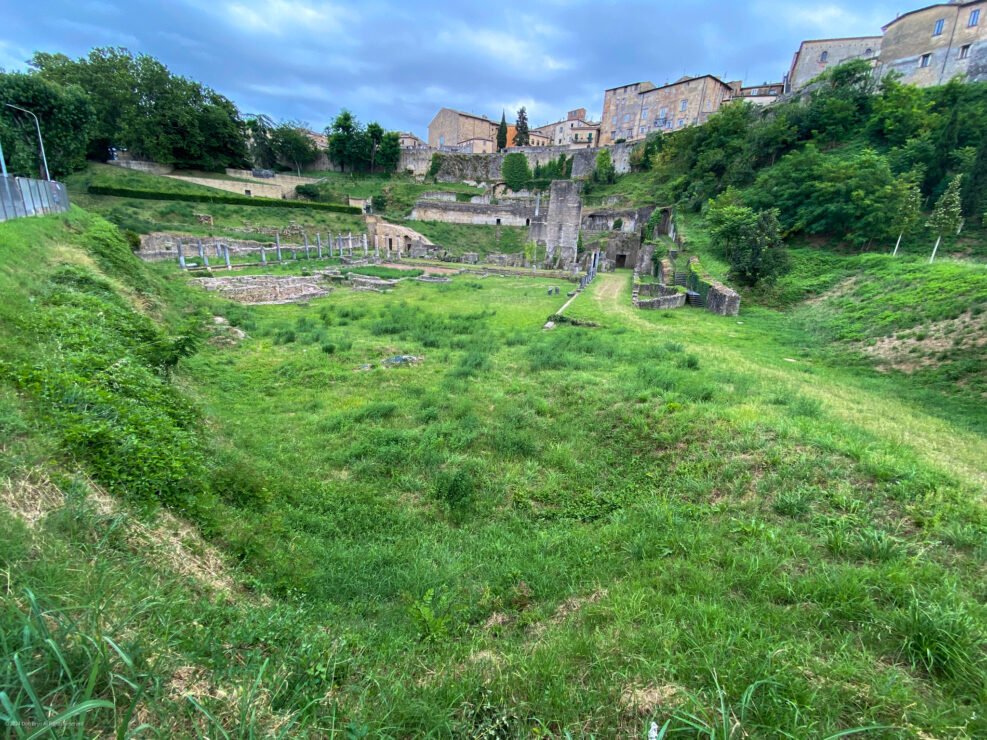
(527, 222)
(498, 222)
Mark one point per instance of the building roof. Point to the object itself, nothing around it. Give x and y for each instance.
(629, 84)
(845, 38)
(468, 115)
(684, 80)
(956, 4)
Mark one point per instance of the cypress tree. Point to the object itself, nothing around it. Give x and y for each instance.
(502, 132)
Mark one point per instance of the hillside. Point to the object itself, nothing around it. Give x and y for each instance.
(670, 516)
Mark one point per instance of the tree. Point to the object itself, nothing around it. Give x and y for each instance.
(909, 214)
(259, 130)
(515, 171)
(604, 172)
(375, 135)
(389, 153)
(947, 217)
(522, 137)
(346, 141)
(290, 143)
(502, 132)
(751, 242)
(975, 183)
(144, 108)
(66, 117)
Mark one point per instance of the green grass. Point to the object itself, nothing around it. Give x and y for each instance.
(670, 517)
(401, 191)
(459, 238)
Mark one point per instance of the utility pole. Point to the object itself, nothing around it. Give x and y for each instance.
(41, 142)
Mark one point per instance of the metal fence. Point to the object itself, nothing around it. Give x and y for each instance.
(24, 196)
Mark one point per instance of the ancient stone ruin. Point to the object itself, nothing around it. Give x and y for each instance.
(265, 289)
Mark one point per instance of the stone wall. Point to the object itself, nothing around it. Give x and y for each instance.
(661, 296)
(562, 224)
(487, 167)
(259, 189)
(717, 297)
(152, 168)
(506, 214)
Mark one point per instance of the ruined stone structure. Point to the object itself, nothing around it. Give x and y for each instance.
(633, 111)
(265, 289)
(660, 296)
(816, 56)
(392, 241)
(560, 230)
(932, 45)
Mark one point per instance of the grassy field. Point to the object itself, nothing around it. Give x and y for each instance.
(400, 191)
(669, 516)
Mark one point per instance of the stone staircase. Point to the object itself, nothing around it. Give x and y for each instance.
(680, 278)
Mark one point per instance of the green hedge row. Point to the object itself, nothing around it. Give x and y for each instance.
(237, 200)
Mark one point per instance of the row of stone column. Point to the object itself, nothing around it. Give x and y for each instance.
(594, 264)
(341, 246)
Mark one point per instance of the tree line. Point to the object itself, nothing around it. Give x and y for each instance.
(112, 101)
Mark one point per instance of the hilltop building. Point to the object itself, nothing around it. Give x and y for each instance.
(932, 45)
(575, 132)
(535, 137)
(455, 130)
(760, 94)
(633, 111)
(816, 56)
(407, 140)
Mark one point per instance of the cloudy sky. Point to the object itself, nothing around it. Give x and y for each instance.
(398, 61)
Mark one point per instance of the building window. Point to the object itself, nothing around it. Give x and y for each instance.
(613, 134)
(964, 51)
(613, 121)
(925, 61)
(644, 113)
(684, 105)
(940, 24)
(642, 129)
(627, 117)
(868, 52)
(974, 18)
(824, 57)
(681, 122)
(442, 141)
(663, 113)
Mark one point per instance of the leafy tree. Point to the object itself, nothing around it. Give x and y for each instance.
(346, 141)
(975, 183)
(142, 107)
(290, 143)
(751, 242)
(259, 129)
(375, 135)
(522, 136)
(389, 152)
(909, 214)
(604, 172)
(502, 133)
(947, 217)
(65, 115)
(515, 171)
(901, 112)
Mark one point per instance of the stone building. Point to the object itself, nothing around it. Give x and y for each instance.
(575, 132)
(535, 137)
(816, 56)
(934, 44)
(760, 94)
(407, 140)
(451, 129)
(633, 111)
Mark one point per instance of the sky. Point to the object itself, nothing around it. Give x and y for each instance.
(399, 61)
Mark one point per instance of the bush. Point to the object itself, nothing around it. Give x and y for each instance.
(515, 171)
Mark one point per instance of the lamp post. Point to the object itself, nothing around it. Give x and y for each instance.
(3, 164)
(41, 142)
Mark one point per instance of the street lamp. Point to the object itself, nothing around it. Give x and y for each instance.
(41, 142)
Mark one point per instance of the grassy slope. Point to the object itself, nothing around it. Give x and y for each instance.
(579, 530)
(459, 238)
(401, 191)
(145, 216)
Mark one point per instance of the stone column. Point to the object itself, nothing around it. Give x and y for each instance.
(305, 237)
(318, 241)
(202, 254)
(277, 245)
(366, 249)
(181, 255)
(226, 256)
(263, 255)
(376, 246)
(349, 242)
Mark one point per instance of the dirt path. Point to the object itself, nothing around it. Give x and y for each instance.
(887, 418)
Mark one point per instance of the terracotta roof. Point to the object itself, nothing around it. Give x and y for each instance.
(684, 80)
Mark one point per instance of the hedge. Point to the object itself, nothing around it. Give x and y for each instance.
(236, 200)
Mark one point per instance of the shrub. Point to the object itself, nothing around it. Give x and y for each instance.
(515, 171)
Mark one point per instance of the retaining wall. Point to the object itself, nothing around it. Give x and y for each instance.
(717, 297)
